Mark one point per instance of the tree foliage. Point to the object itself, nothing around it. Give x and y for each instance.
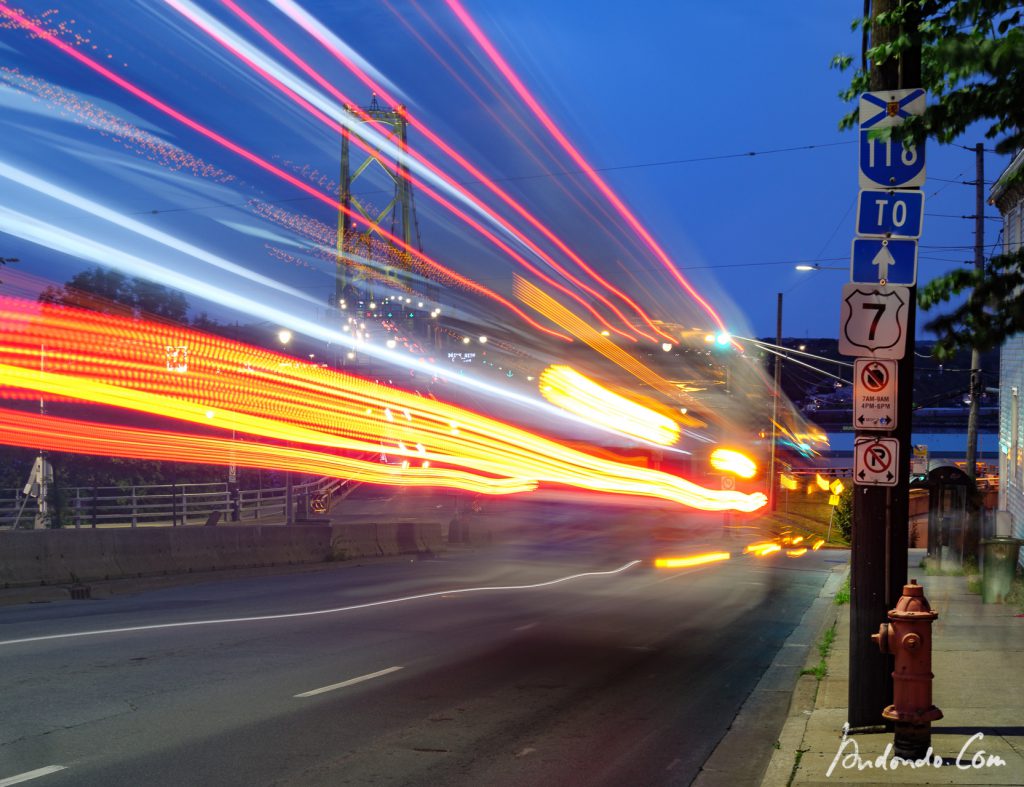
(992, 312)
(971, 57)
(112, 292)
(842, 514)
(972, 52)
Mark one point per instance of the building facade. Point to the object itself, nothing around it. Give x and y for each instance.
(1010, 202)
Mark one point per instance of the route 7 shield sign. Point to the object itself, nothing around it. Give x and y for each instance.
(873, 321)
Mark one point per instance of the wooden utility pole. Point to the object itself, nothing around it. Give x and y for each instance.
(974, 386)
(881, 513)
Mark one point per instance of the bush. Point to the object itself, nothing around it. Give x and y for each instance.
(842, 516)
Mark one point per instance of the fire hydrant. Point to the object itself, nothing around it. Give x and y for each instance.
(908, 637)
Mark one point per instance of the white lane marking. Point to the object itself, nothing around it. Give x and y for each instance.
(24, 777)
(527, 627)
(335, 610)
(350, 682)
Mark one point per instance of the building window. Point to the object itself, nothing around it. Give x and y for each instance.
(1013, 229)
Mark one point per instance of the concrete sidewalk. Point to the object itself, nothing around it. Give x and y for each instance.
(978, 662)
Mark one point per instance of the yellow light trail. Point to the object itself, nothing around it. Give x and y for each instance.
(572, 391)
(119, 362)
(545, 305)
(725, 460)
(688, 562)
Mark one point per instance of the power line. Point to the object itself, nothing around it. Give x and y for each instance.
(553, 174)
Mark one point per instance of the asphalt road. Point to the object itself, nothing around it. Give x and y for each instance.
(608, 679)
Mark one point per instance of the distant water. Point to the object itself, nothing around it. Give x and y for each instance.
(946, 444)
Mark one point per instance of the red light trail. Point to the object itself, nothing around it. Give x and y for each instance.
(256, 160)
(338, 128)
(123, 363)
(495, 57)
(474, 171)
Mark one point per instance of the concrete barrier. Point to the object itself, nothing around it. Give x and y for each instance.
(41, 557)
(354, 540)
(429, 537)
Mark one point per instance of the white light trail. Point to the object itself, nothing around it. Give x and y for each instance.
(319, 612)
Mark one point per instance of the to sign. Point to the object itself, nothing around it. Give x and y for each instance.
(873, 321)
(883, 261)
(890, 214)
(876, 461)
(889, 163)
(874, 394)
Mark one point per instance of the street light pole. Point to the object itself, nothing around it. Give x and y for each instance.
(772, 485)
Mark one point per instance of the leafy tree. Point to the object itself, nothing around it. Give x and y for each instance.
(971, 57)
(112, 292)
(971, 52)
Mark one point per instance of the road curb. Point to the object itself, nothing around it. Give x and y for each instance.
(727, 766)
(805, 694)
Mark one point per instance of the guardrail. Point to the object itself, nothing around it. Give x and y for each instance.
(174, 504)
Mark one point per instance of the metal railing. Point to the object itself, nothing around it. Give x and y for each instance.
(174, 504)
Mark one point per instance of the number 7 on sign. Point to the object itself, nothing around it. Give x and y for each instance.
(873, 321)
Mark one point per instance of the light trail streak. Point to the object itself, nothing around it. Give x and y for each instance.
(251, 157)
(320, 612)
(51, 433)
(339, 121)
(517, 85)
(567, 388)
(726, 460)
(329, 42)
(544, 304)
(120, 362)
(693, 560)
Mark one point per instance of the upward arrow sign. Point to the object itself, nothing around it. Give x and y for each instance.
(883, 260)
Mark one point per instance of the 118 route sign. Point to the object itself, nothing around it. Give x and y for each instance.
(886, 162)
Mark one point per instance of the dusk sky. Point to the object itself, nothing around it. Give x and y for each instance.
(663, 98)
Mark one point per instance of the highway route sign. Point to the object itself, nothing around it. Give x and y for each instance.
(873, 321)
(874, 394)
(883, 261)
(876, 461)
(887, 162)
(890, 214)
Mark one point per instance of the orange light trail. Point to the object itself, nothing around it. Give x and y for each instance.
(119, 362)
(566, 388)
(510, 76)
(470, 168)
(50, 433)
(248, 155)
(689, 562)
(726, 460)
(544, 304)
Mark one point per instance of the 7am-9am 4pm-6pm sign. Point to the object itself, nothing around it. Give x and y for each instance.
(873, 321)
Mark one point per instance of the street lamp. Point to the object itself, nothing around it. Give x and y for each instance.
(816, 267)
(284, 336)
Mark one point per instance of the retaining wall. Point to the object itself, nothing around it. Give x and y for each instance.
(54, 557)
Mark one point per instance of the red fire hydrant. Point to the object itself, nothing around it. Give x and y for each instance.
(908, 637)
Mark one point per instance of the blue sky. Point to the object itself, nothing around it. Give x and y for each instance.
(635, 84)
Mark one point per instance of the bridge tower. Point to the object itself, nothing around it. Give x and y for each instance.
(366, 241)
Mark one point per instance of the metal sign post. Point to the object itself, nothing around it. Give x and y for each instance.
(876, 324)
